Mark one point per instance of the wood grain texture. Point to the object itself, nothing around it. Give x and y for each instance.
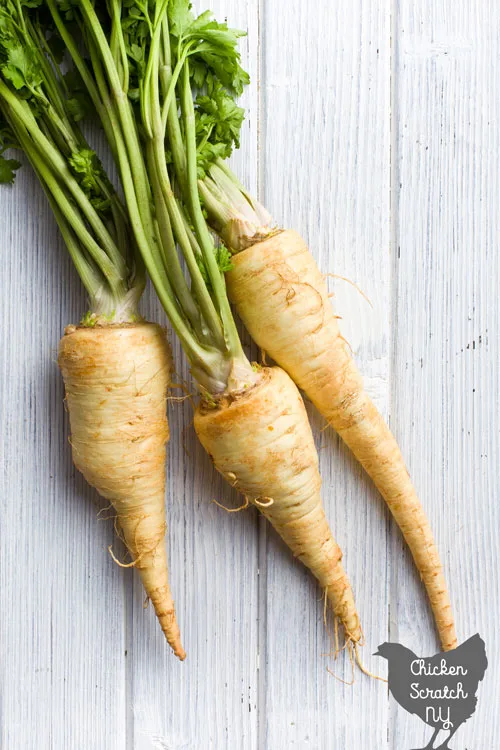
(345, 100)
(326, 141)
(62, 675)
(445, 385)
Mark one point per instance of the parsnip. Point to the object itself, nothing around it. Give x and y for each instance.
(116, 379)
(261, 442)
(282, 298)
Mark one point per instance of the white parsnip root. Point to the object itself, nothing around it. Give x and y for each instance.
(116, 380)
(283, 301)
(261, 442)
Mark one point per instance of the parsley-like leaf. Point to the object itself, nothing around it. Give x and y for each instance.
(89, 171)
(218, 125)
(224, 259)
(208, 155)
(180, 17)
(8, 169)
(219, 112)
(22, 68)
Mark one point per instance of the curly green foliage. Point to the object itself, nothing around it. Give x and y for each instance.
(218, 125)
(214, 52)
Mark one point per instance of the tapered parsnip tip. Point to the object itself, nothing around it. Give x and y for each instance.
(163, 603)
(174, 641)
(180, 653)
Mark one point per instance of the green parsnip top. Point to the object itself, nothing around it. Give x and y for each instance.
(163, 83)
(217, 80)
(39, 111)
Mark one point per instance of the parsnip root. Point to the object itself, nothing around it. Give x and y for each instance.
(282, 298)
(116, 380)
(261, 442)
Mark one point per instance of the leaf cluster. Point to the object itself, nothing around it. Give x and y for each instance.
(217, 78)
(30, 51)
(218, 125)
(224, 262)
(214, 46)
(40, 107)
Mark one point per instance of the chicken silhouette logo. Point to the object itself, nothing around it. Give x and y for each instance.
(440, 689)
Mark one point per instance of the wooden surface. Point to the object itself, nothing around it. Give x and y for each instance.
(374, 129)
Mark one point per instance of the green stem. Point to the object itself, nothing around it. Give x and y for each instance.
(55, 161)
(201, 145)
(100, 302)
(169, 98)
(170, 256)
(60, 129)
(48, 61)
(216, 204)
(175, 139)
(201, 316)
(113, 277)
(204, 299)
(203, 235)
(187, 227)
(152, 68)
(66, 210)
(137, 193)
(90, 279)
(117, 45)
(128, 125)
(88, 80)
(234, 197)
(51, 82)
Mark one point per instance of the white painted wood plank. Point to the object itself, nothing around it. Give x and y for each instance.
(61, 610)
(326, 139)
(210, 700)
(64, 627)
(446, 353)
